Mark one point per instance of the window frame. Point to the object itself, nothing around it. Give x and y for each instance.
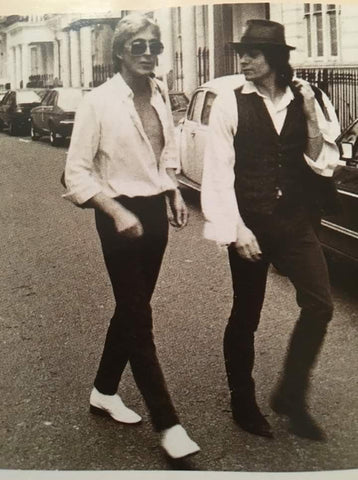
(322, 33)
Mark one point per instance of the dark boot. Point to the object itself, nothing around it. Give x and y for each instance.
(289, 397)
(239, 356)
(247, 415)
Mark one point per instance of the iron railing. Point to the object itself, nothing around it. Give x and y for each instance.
(341, 86)
(101, 73)
(203, 65)
(40, 81)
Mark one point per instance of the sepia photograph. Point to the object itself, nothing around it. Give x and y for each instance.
(208, 153)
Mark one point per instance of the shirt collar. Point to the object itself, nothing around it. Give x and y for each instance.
(250, 87)
(120, 85)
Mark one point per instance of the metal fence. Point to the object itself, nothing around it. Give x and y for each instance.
(341, 86)
(203, 65)
(101, 73)
(39, 81)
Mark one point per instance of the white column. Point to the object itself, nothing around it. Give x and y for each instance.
(86, 55)
(25, 64)
(65, 59)
(211, 40)
(166, 60)
(189, 48)
(56, 60)
(11, 66)
(18, 66)
(75, 58)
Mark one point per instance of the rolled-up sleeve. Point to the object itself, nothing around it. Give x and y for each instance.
(328, 124)
(218, 198)
(80, 180)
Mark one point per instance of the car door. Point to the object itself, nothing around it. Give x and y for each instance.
(193, 135)
(340, 231)
(9, 108)
(3, 107)
(48, 110)
(37, 112)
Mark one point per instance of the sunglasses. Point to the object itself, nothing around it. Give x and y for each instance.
(140, 47)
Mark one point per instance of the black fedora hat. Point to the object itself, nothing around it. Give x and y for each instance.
(263, 32)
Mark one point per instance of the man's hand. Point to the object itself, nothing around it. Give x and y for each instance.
(247, 245)
(314, 136)
(308, 98)
(127, 224)
(177, 211)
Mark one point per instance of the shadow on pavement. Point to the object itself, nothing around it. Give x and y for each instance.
(186, 464)
(191, 197)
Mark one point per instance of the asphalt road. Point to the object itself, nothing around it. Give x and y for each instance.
(55, 302)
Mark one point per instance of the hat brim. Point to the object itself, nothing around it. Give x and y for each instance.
(237, 45)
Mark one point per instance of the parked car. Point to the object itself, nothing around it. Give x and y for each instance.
(55, 115)
(179, 103)
(192, 130)
(15, 110)
(338, 233)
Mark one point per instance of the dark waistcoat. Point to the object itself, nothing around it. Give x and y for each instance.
(270, 168)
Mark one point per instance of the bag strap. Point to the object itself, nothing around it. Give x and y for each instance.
(318, 94)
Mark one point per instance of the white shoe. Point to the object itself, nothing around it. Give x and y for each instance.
(177, 443)
(113, 406)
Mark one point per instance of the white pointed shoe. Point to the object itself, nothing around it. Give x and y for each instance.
(112, 406)
(177, 443)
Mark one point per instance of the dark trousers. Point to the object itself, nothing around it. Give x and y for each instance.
(133, 266)
(288, 241)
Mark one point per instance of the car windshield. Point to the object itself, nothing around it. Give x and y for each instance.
(69, 99)
(28, 97)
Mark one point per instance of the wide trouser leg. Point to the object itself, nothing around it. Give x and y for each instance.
(133, 267)
(304, 263)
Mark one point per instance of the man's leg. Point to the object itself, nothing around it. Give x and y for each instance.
(249, 283)
(130, 335)
(304, 263)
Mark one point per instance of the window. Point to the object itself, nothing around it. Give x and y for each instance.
(332, 29)
(194, 113)
(317, 9)
(307, 10)
(321, 25)
(209, 99)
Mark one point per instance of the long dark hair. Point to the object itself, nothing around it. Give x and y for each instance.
(278, 58)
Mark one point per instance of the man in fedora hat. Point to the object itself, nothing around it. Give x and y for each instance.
(267, 175)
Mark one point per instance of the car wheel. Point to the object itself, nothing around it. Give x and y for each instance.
(33, 133)
(55, 140)
(12, 129)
